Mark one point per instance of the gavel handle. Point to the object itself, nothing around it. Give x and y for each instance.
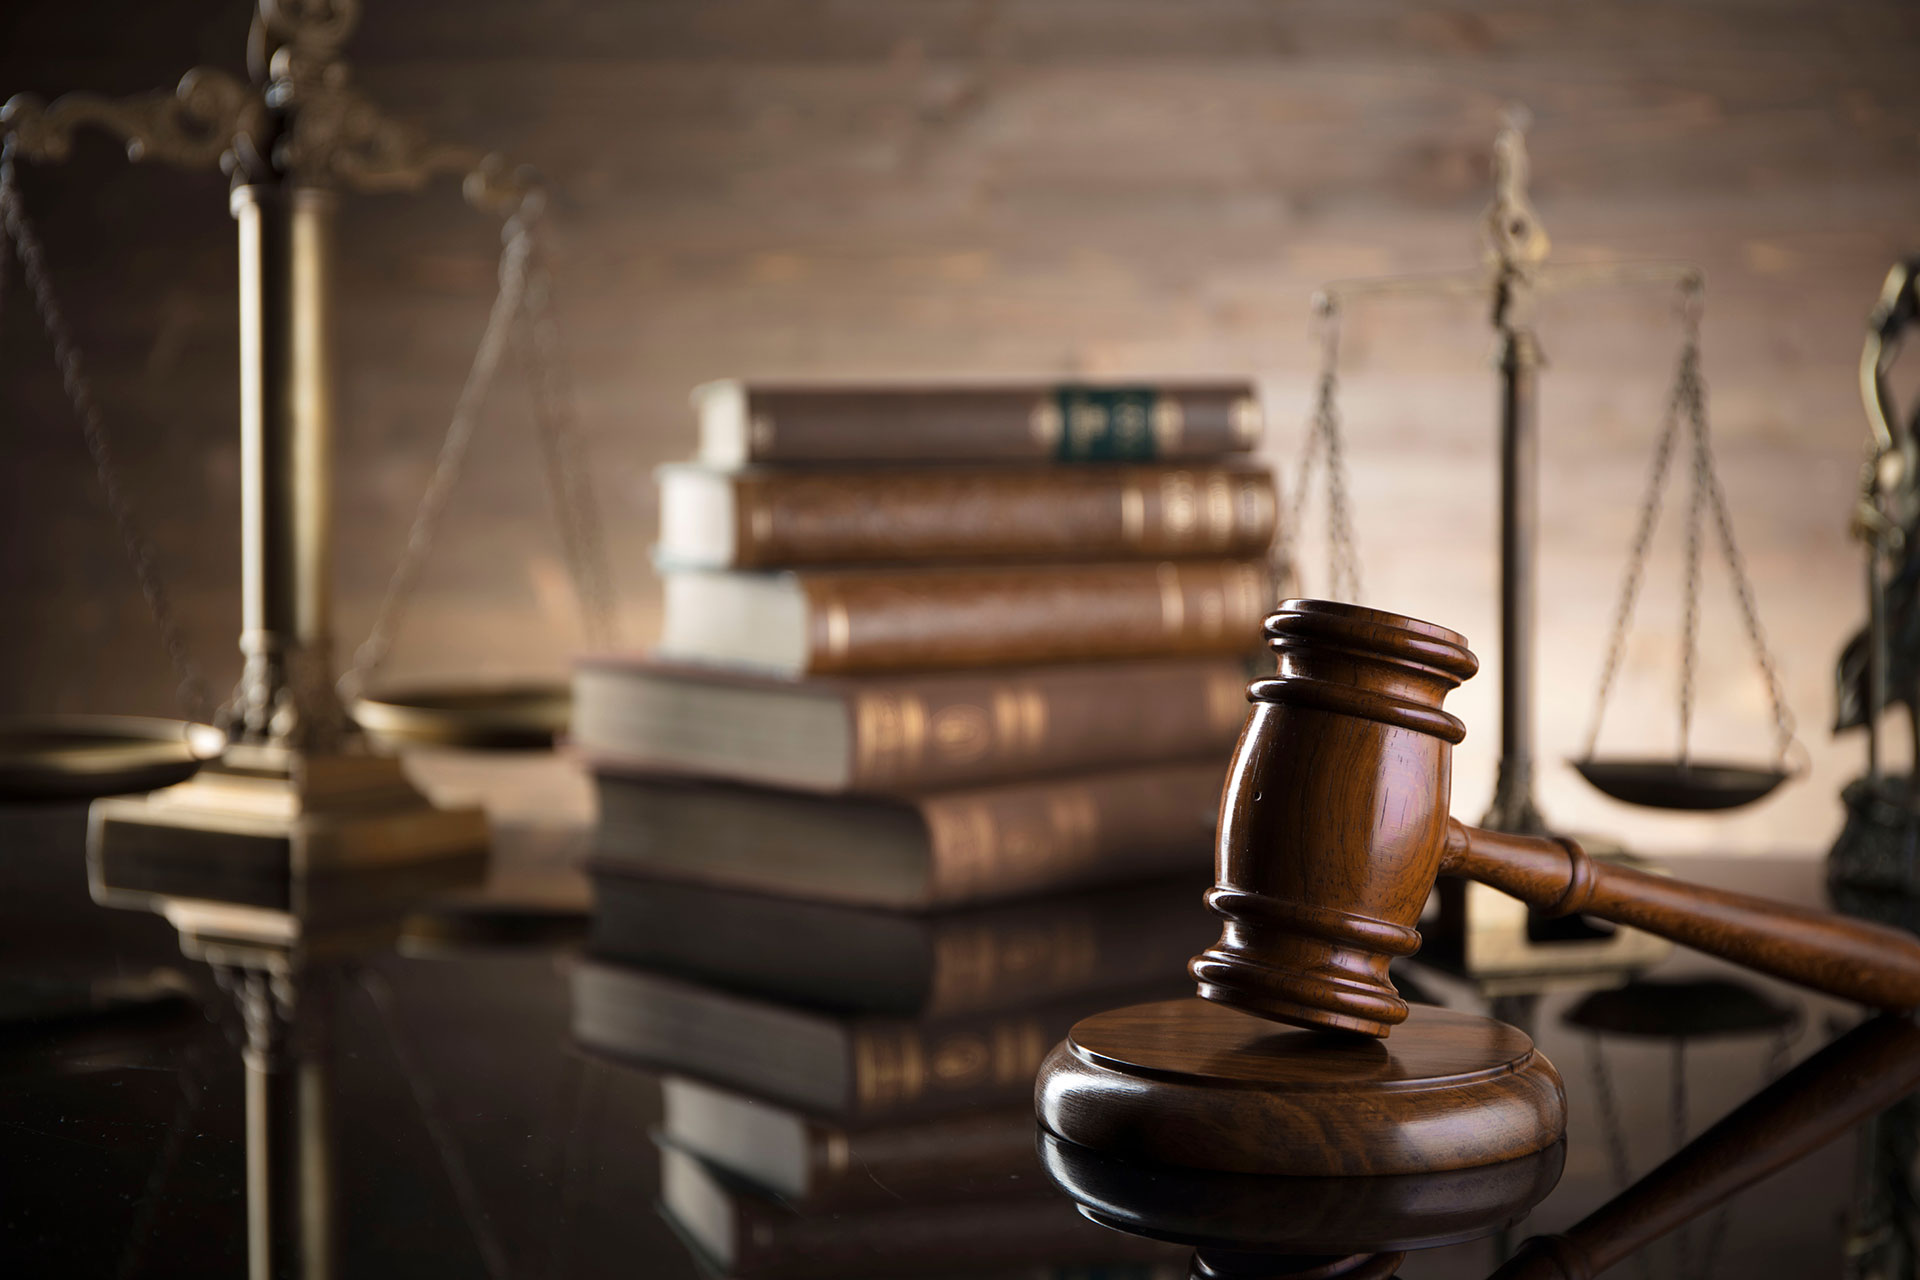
(1865, 1071)
(1854, 960)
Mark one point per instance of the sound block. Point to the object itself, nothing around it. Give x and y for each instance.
(1203, 1086)
(1300, 1216)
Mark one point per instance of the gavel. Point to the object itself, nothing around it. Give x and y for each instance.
(1334, 827)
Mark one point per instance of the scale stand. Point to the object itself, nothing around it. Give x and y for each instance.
(1480, 931)
(297, 789)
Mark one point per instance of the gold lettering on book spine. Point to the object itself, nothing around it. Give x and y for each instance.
(1133, 514)
(1179, 507)
(966, 846)
(1173, 600)
(1219, 509)
(839, 628)
(1169, 424)
(972, 966)
(889, 1066)
(1046, 424)
(1019, 721)
(759, 523)
(1246, 419)
(890, 734)
(1226, 702)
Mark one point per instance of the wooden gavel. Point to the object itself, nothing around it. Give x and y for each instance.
(1334, 827)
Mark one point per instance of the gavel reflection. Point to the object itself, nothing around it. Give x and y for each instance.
(1334, 827)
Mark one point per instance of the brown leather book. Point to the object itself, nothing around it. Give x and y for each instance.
(980, 1153)
(740, 1234)
(846, 1068)
(818, 622)
(905, 964)
(895, 734)
(920, 852)
(716, 519)
(756, 422)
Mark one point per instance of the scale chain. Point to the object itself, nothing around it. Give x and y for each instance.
(193, 691)
(577, 514)
(1696, 510)
(1637, 560)
(373, 652)
(1324, 445)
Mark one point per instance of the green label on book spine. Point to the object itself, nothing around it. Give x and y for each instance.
(1113, 424)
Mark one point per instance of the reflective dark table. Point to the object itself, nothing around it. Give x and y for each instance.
(420, 1106)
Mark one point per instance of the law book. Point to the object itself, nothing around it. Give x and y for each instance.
(846, 1068)
(892, 734)
(766, 519)
(785, 423)
(935, 964)
(827, 622)
(981, 1153)
(737, 1233)
(936, 849)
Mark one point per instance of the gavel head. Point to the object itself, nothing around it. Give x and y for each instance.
(1334, 817)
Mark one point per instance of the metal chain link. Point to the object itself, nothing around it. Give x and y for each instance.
(569, 477)
(373, 652)
(1696, 511)
(1325, 445)
(1637, 557)
(192, 692)
(1689, 398)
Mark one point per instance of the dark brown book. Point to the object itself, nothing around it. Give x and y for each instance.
(770, 519)
(921, 964)
(981, 1153)
(894, 734)
(939, 849)
(738, 1233)
(755, 422)
(848, 1068)
(820, 622)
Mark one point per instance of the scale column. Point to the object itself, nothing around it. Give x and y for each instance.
(1513, 808)
(286, 696)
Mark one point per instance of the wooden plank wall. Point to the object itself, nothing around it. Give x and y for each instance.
(1047, 187)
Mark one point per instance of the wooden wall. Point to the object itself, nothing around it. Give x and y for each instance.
(1046, 187)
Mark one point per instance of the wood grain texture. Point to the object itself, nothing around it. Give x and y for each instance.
(1196, 1084)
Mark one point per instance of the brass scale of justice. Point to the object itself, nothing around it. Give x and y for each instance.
(291, 778)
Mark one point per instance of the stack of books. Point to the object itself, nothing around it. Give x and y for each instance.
(932, 646)
(924, 770)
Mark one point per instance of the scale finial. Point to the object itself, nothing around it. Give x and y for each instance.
(1516, 242)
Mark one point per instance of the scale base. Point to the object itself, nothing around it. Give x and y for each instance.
(261, 821)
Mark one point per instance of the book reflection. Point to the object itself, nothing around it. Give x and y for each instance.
(848, 1091)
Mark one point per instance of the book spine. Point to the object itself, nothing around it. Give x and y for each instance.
(800, 518)
(1008, 841)
(774, 1243)
(979, 1153)
(911, 735)
(902, 1070)
(1057, 424)
(1063, 946)
(893, 620)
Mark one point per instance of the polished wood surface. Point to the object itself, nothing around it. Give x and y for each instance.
(1201, 1085)
(1863, 1072)
(1333, 829)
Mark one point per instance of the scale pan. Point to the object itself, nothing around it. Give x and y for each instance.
(501, 717)
(50, 759)
(1681, 784)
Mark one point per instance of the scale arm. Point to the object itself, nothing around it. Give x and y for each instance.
(192, 126)
(1852, 959)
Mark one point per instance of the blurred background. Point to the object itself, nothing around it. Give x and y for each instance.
(1045, 189)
